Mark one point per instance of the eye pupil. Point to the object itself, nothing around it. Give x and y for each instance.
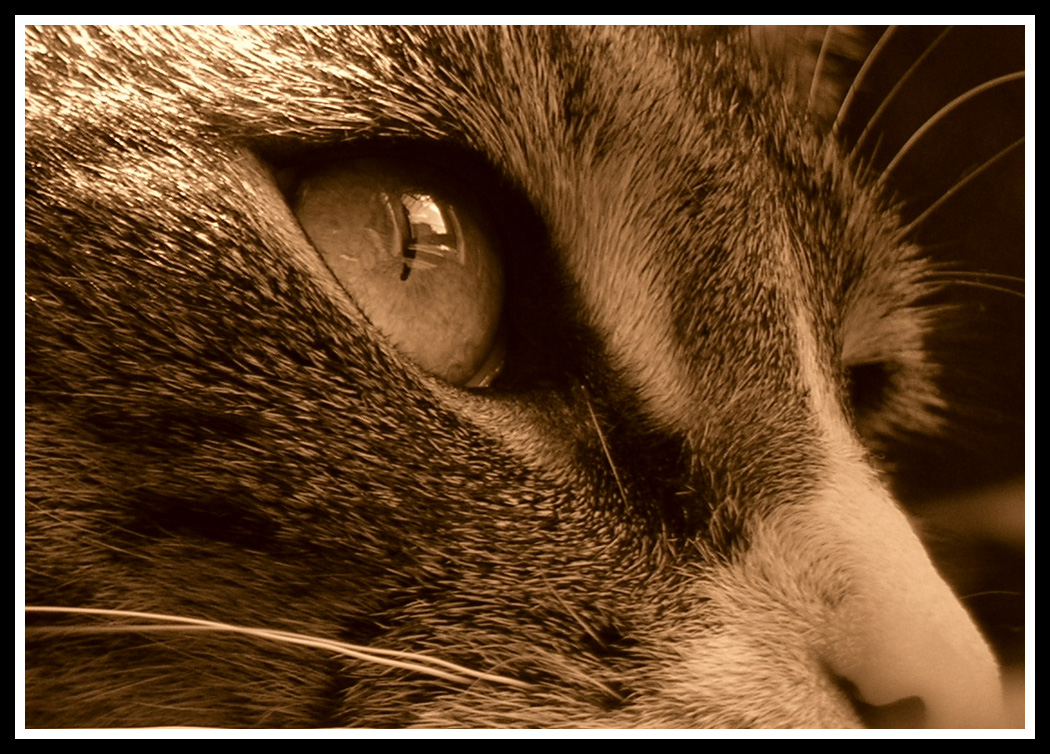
(408, 249)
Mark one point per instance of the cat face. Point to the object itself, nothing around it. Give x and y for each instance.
(467, 377)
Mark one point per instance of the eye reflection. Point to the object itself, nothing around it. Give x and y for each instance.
(428, 227)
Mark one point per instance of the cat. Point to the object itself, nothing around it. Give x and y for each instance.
(463, 377)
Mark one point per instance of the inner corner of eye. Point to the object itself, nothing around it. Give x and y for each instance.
(415, 260)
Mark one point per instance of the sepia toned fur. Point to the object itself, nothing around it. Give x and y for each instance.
(729, 340)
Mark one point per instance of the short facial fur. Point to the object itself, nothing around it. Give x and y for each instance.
(667, 510)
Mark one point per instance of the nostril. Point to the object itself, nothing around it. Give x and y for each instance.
(908, 712)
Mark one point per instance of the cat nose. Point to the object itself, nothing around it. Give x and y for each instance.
(920, 665)
(902, 641)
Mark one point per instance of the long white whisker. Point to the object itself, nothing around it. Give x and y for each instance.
(936, 117)
(873, 53)
(977, 282)
(987, 287)
(419, 662)
(819, 66)
(910, 227)
(979, 275)
(896, 88)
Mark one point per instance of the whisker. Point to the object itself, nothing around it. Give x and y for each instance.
(573, 614)
(983, 286)
(818, 68)
(959, 185)
(980, 275)
(123, 628)
(605, 447)
(412, 661)
(896, 88)
(936, 117)
(604, 688)
(993, 592)
(873, 53)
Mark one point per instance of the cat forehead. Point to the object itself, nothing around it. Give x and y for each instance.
(686, 174)
(690, 146)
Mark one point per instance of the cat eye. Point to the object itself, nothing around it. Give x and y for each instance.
(413, 253)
